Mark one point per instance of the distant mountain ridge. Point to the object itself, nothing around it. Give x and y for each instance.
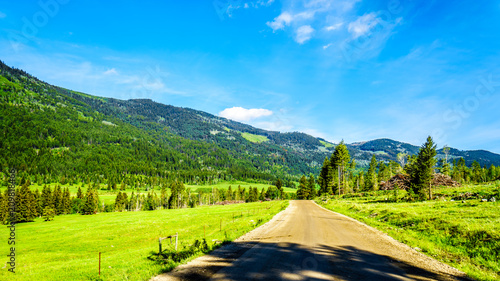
(256, 150)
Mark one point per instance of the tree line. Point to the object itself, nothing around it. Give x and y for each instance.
(50, 202)
(339, 175)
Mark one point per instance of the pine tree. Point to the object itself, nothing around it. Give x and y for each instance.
(323, 178)
(91, 202)
(302, 191)
(4, 207)
(229, 194)
(66, 201)
(279, 186)
(58, 206)
(311, 187)
(46, 197)
(371, 175)
(422, 170)
(262, 196)
(79, 193)
(26, 205)
(38, 203)
(340, 159)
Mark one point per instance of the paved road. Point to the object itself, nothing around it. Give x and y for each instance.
(307, 242)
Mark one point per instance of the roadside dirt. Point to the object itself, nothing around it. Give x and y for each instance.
(308, 242)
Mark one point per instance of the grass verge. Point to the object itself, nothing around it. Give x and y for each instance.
(465, 235)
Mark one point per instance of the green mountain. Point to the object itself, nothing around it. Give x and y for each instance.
(51, 133)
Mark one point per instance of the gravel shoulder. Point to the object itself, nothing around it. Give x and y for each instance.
(308, 242)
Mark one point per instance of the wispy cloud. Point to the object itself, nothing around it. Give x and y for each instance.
(2, 15)
(334, 26)
(363, 25)
(111, 71)
(303, 34)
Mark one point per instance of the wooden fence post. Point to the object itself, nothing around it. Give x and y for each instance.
(176, 237)
(159, 241)
(99, 263)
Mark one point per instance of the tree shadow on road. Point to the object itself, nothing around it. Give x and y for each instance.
(289, 261)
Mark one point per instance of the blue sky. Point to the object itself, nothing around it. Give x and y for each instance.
(348, 69)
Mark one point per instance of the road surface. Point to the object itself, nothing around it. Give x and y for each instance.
(307, 242)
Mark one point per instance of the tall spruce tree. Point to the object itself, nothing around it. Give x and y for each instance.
(422, 171)
(58, 204)
(91, 202)
(26, 205)
(279, 186)
(302, 191)
(66, 201)
(324, 178)
(311, 187)
(46, 197)
(371, 175)
(341, 158)
(38, 203)
(79, 193)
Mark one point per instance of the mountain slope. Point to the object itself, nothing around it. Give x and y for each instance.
(48, 130)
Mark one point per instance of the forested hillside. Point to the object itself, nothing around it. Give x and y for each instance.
(55, 134)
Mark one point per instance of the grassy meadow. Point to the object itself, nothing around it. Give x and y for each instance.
(68, 247)
(457, 228)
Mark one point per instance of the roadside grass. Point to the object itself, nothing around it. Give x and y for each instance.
(68, 247)
(463, 235)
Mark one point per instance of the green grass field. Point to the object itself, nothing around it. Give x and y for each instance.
(463, 235)
(68, 247)
(254, 138)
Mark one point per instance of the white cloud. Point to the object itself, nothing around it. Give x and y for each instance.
(334, 27)
(327, 46)
(111, 71)
(304, 33)
(243, 114)
(2, 15)
(363, 25)
(280, 21)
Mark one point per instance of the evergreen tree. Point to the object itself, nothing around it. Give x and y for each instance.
(48, 214)
(422, 169)
(311, 187)
(262, 196)
(163, 197)
(91, 202)
(38, 203)
(46, 197)
(371, 182)
(118, 201)
(175, 201)
(4, 207)
(302, 191)
(79, 193)
(323, 178)
(66, 201)
(26, 205)
(340, 159)
(58, 204)
(229, 194)
(279, 186)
